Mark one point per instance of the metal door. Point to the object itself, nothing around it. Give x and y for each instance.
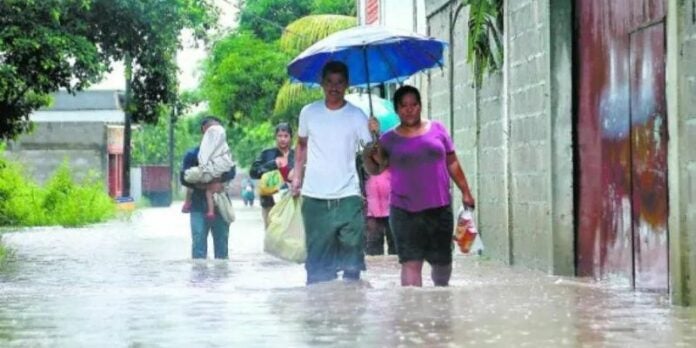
(649, 157)
(621, 138)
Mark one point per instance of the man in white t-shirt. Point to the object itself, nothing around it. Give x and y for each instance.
(330, 133)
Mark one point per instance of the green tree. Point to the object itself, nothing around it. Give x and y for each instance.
(301, 34)
(248, 139)
(150, 141)
(43, 47)
(339, 7)
(307, 30)
(246, 70)
(146, 34)
(51, 44)
(241, 77)
(267, 18)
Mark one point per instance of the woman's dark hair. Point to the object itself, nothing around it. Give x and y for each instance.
(403, 91)
(334, 67)
(283, 127)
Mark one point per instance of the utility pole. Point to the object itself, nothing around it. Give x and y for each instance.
(127, 130)
(172, 121)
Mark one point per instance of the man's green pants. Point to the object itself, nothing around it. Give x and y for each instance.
(334, 234)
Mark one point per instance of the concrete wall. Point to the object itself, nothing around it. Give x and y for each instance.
(82, 144)
(513, 137)
(681, 101)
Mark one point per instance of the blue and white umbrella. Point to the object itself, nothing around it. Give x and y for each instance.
(382, 109)
(373, 54)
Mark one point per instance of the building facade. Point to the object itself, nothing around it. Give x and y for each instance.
(85, 130)
(577, 150)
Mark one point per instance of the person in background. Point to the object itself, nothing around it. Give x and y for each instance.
(280, 157)
(420, 214)
(330, 133)
(214, 159)
(200, 225)
(377, 190)
(248, 192)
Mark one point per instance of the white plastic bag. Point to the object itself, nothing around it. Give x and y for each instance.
(465, 232)
(285, 236)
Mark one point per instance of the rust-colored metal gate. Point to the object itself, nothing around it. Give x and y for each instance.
(622, 138)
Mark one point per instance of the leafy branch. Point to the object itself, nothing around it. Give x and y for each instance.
(484, 47)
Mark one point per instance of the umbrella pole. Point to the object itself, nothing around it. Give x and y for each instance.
(375, 136)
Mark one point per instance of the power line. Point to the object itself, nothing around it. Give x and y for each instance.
(274, 24)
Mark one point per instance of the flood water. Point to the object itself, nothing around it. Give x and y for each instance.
(131, 283)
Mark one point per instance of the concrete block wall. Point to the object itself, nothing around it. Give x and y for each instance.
(505, 132)
(438, 91)
(476, 124)
(463, 124)
(492, 172)
(528, 57)
(681, 102)
(81, 144)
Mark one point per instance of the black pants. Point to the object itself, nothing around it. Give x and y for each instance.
(376, 232)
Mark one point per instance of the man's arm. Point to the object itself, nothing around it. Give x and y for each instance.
(300, 160)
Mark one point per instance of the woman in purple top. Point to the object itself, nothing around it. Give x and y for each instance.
(421, 158)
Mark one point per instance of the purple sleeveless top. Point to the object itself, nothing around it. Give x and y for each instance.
(418, 166)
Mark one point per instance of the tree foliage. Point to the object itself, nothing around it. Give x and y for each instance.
(150, 141)
(248, 139)
(246, 69)
(51, 44)
(267, 19)
(338, 7)
(484, 47)
(301, 34)
(307, 30)
(43, 47)
(241, 77)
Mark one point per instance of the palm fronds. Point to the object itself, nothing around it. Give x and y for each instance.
(292, 96)
(307, 30)
(484, 47)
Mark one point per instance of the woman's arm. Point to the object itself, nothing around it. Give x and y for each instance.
(374, 158)
(457, 175)
(262, 164)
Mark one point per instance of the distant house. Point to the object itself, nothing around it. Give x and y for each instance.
(85, 129)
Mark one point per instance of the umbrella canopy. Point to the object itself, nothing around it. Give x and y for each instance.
(373, 54)
(382, 109)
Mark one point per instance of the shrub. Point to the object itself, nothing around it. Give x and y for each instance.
(20, 200)
(62, 201)
(3, 252)
(69, 204)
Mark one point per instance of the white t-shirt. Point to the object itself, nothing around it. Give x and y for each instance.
(333, 138)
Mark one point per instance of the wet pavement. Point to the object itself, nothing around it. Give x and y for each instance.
(132, 284)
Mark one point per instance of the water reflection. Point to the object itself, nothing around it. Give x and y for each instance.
(132, 284)
(204, 272)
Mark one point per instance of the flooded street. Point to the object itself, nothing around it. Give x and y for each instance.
(132, 284)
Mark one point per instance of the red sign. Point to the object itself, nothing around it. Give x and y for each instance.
(372, 11)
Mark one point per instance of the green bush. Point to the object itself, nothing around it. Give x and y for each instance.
(69, 204)
(20, 200)
(63, 201)
(3, 253)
